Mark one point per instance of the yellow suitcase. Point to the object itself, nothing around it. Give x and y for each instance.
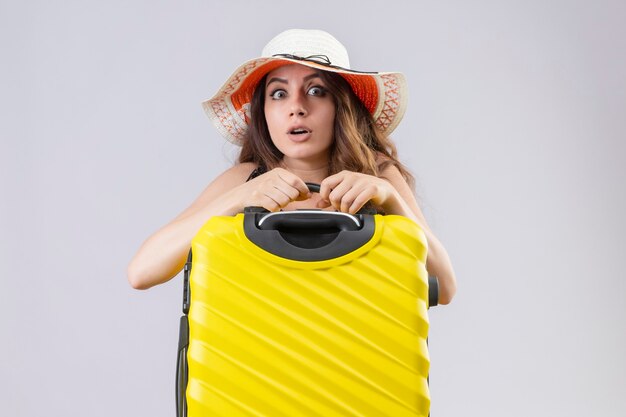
(305, 313)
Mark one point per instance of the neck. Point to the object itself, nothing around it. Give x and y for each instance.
(307, 171)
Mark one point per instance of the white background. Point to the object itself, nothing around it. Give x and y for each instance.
(515, 131)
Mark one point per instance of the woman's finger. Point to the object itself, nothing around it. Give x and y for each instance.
(359, 202)
(350, 197)
(294, 182)
(322, 203)
(329, 183)
(268, 203)
(287, 190)
(337, 194)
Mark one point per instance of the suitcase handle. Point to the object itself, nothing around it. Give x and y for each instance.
(309, 220)
(308, 235)
(182, 371)
(433, 291)
(313, 187)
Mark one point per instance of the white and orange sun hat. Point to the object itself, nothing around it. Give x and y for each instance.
(383, 93)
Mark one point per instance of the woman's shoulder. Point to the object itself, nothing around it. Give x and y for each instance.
(230, 178)
(244, 167)
(223, 183)
(238, 173)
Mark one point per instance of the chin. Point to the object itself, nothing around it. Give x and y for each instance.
(306, 152)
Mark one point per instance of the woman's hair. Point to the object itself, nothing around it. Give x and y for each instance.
(358, 144)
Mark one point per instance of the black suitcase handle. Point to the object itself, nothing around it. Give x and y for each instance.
(433, 291)
(308, 235)
(313, 187)
(309, 221)
(182, 371)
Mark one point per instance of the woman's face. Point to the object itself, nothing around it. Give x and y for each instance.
(300, 113)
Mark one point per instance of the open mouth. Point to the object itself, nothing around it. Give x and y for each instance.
(298, 131)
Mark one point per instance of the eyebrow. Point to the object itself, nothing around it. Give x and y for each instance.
(284, 81)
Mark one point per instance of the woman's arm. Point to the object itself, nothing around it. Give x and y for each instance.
(163, 254)
(348, 191)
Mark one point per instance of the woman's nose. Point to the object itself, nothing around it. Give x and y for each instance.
(298, 107)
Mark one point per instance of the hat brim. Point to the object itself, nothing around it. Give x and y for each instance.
(384, 94)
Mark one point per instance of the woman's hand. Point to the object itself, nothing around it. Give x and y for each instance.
(273, 190)
(348, 191)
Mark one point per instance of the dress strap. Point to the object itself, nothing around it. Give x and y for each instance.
(258, 171)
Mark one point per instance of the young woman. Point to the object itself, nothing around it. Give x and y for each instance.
(300, 115)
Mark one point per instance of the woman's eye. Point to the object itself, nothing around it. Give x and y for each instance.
(278, 94)
(317, 91)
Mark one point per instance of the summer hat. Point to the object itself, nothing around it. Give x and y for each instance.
(383, 93)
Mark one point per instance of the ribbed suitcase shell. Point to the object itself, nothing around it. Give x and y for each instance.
(272, 337)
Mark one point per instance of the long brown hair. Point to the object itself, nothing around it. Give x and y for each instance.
(358, 144)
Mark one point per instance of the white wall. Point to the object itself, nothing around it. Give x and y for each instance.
(515, 130)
